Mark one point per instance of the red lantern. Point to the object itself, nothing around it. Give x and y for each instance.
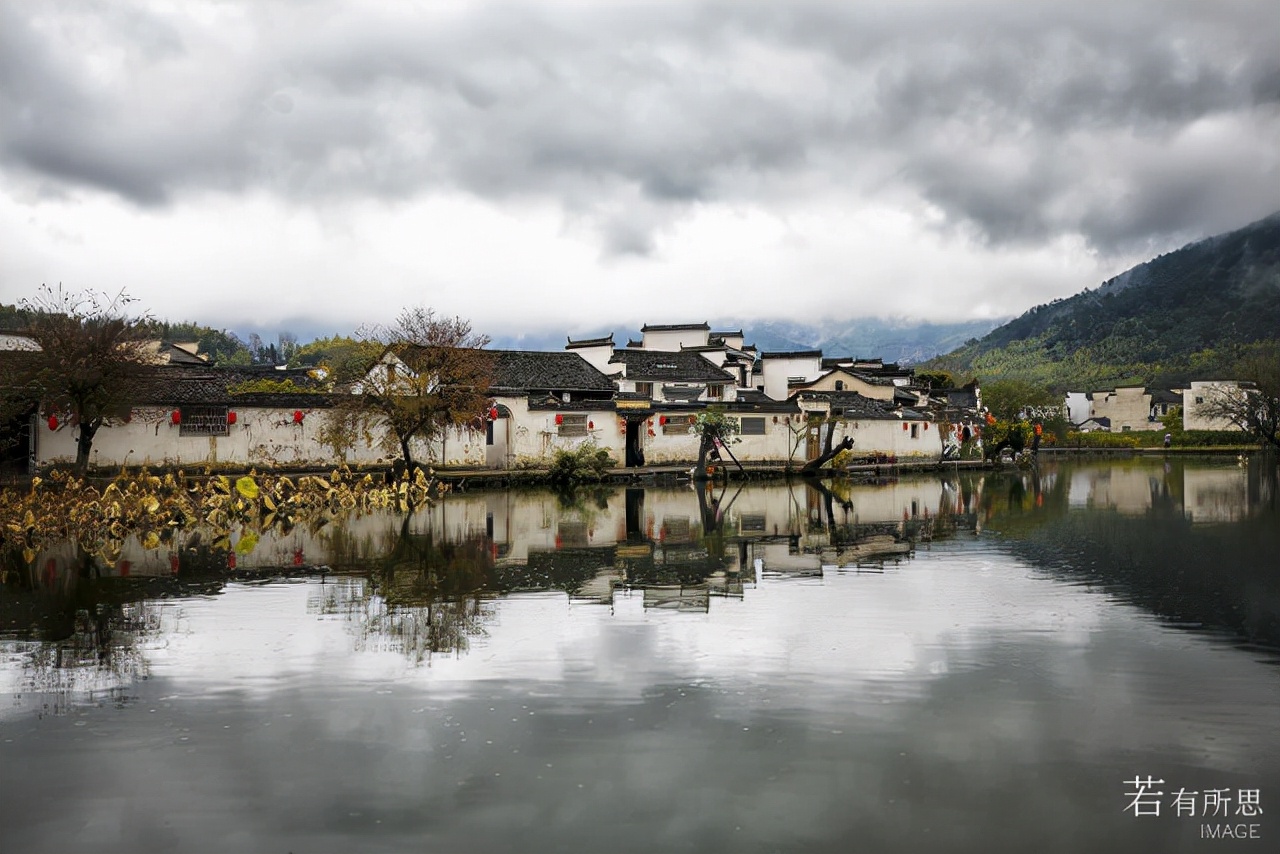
(904, 425)
(591, 425)
(662, 419)
(559, 419)
(231, 418)
(175, 417)
(231, 561)
(297, 416)
(173, 564)
(493, 413)
(53, 422)
(926, 425)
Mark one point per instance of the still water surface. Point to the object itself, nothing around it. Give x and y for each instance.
(945, 663)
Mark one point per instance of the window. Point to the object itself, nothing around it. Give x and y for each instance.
(715, 392)
(915, 431)
(839, 385)
(573, 424)
(488, 432)
(677, 425)
(751, 426)
(645, 388)
(202, 421)
(1199, 400)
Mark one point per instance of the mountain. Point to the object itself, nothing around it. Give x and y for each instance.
(1184, 315)
(891, 340)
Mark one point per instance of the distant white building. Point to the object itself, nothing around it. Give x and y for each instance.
(1196, 398)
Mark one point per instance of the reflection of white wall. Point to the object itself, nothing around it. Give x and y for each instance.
(1127, 490)
(1215, 495)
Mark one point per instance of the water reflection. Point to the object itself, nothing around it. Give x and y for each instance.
(1189, 541)
(902, 666)
(1195, 542)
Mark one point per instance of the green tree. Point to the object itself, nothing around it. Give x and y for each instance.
(1011, 399)
(714, 429)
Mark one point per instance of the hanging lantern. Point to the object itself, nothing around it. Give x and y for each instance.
(591, 425)
(662, 419)
(53, 422)
(904, 425)
(559, 419)
(231, 561)
(175, 417)
(231, 418)
(926, 425)
(692, 419)
(493, 413)
(297, 416)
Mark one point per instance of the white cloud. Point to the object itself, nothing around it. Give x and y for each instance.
(573, 166)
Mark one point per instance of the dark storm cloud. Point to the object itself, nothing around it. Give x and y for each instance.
(1019, 122)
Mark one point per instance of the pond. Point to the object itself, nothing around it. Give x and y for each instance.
(1081, 657)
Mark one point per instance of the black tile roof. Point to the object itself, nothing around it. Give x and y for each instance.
(171, 385)
(606, 341)
(792, 354)
(539, 370)
(674, 327)
(856, 405)
(680, 366)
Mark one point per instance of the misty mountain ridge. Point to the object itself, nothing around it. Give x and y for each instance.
(1183, 315)
(902, 341)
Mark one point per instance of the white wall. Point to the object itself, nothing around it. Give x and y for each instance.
(777, 370)
(671, 340)
(260, 437)
(1195, 398)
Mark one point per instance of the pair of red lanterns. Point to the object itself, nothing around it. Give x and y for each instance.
(591, 425)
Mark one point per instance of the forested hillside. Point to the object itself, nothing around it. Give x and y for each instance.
(1188, 314)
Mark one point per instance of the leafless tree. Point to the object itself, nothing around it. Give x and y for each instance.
(90, 358)
(1254, 405)
(422, 375)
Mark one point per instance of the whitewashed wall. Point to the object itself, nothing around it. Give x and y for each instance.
(776, 371)
(1195, 398)
(260, 437)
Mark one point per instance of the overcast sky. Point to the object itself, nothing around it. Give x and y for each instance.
(572, 166)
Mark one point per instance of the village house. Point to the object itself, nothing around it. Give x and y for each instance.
(1196, 398)
(187, 415)
(1126, 408)
(638, 403)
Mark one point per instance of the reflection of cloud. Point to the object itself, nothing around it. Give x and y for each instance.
(642, 732)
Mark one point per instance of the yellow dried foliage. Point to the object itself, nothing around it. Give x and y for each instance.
(64, 507)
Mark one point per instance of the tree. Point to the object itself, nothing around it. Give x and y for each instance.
(829, 451)
(420, 376)
(715, 430)
(1013, 399)
(936, 379)
(91, 357)
(1254, 405)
